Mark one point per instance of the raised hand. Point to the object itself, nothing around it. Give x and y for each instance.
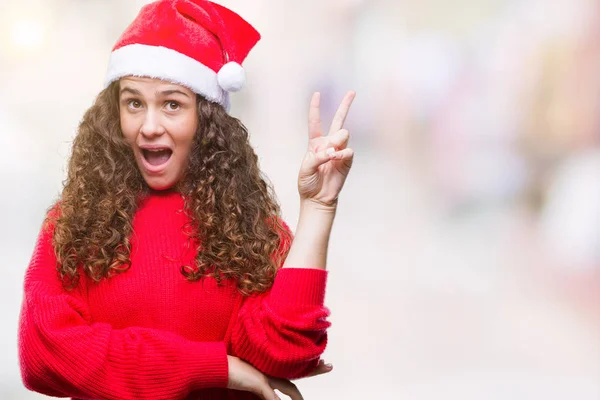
(328, 159)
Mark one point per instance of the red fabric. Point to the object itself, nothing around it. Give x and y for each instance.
(199, 29)
(148, 333)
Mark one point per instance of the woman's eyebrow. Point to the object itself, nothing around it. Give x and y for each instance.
(169, 92)
(157, 93)
(131, 90)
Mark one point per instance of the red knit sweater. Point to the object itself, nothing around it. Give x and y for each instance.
(148, 333)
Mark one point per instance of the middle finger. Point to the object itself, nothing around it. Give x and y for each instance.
(342, 112)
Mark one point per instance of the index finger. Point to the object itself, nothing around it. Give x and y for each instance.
(314, 116)
(342, 112)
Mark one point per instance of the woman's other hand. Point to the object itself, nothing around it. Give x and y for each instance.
(243, 376)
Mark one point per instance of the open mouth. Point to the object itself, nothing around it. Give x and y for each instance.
(157, 157)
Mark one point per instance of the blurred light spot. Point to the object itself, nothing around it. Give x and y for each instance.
(27, 34)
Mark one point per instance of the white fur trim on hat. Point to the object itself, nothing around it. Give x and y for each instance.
(166, 64)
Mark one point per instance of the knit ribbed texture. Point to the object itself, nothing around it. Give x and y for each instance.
(293, 311)
(148, 333)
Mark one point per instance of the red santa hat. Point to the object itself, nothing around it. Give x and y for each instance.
(195, 43)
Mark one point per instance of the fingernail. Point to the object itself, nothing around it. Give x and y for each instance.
(330, 150)
(329, 365)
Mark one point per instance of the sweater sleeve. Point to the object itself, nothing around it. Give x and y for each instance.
(283, 332)
(62, 353)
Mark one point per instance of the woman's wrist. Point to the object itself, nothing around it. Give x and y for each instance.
(315, 221)
(311, 239)
(317, 206)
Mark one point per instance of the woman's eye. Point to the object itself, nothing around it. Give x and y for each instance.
(173, 105)
(134, 104)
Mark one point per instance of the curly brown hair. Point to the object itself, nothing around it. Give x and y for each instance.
(233, 211)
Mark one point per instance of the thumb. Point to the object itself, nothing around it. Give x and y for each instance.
(312, 161)
(322, 368)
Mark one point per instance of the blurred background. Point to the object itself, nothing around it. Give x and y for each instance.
(465, 257)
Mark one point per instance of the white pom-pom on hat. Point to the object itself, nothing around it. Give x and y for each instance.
(231, 77)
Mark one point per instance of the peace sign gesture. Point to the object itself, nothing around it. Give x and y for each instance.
(328, 159)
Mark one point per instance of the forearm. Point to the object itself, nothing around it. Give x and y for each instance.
(311, 240)
(284, 333)
(61, 355)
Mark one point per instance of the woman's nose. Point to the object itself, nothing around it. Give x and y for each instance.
(152, 125)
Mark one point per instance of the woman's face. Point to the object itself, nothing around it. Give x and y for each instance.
(159, 119)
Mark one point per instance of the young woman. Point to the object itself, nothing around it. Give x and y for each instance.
(164, 270)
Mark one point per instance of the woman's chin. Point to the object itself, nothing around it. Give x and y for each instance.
(159, 183)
